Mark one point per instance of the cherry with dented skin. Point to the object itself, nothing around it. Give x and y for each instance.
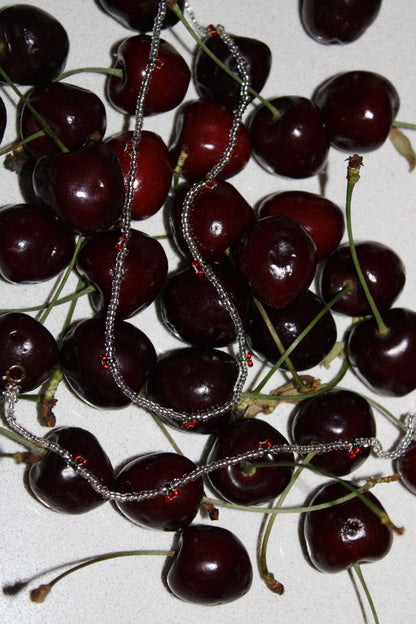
(139, 14)
(211, 567)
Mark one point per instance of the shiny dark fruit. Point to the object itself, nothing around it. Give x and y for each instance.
(34, 246)
(212, 83)
(168, 84)
(383, 270)
(276, 258)
(138, 14)
(85, 366)
(347, 533)
(359, 108)
(153, 175)
(289, 322)
(406, 467)
(244, 483)
(193, 380)
(142, 280)
(28, 351)
(192, 309)
(33, 45)
(321, 218)
(3, 119)
(166, 512)
(212, 566)
(74, 114)
(85, 187)
(58, 485)
(337, 415)
(217, 217)
(385, 363)
(338, 21)
(295, 145)
(202, 129)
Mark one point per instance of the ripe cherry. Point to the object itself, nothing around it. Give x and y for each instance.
(211, 567)
(140, 14)
(174, 509)
(406, 467)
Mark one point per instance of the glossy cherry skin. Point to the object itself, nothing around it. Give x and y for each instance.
(58, 485)
(34, 246)
(276, 258)
(385, 363)
(138, 14)
(166, 512)
(212, 83)
(85, 187)
(142, 280)
(383, 270)
(73, 113)
(3, 119)
(153, 176)
(27, 347)
(359, 108)
(168, 84)
(338, 21)
(320, 217)
(295, 145)
(34, 45)
(192, 309)
(85, 368)
(202, 129)
(193, 380)
(347, 533)
(213, 229)
(289, 322)
(211, 567)
(406, 467)
(241, 483)
(337, 415)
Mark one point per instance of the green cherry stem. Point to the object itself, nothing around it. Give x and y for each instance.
(12, 435)
(74, 296)
(358, 571)
(12, 147)
(404, 124)
(353, 175)
(108, 71)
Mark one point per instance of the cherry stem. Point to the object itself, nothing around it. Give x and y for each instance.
(175, 8)
(12, 147)
(357, 570)
(72, 297)
(353, 175)
(12, 435)
(109, 71)
(34, 112)
(39, 594)
(404, 124)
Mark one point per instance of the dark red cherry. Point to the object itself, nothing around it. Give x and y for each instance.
(296, 144)
(202, 130)
(28, 351)
(211, 567)
(85, 188)
(153, 176)
(214, 84)
(337, 415)
(359, 108)
(244, 483)
(338, 21)
(213, 228)
(58, 485)
(74, 114)
(139, 14)
(346, 533)
(33, 44)
(406, 467)
(3, 119)
(193, 380)
(142, 280)
(289, 322)
(276, 258)
(33, 245)
(320, 217)
(385, 363)
(191, 307)
(168, 84)
(166, 512)
(85, 366)
(383, 270)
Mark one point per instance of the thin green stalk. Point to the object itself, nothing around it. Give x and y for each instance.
(357, 569)
(80, 293)
(12, 435)
(14, 146)
(404, 124)
(109, 71)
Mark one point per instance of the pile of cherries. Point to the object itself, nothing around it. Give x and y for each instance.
(267, 260)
